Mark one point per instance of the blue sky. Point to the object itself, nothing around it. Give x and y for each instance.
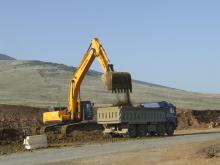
(174, 43)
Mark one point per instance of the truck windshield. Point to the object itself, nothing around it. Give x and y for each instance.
(172, 110)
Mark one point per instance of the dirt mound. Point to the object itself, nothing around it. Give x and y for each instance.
(210, 151)
(75, 137)
(15, 123)
(198, 119)
(17, 119)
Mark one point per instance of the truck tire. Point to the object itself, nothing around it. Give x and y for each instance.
(132, 132)
(152, 133)
(170, 129)
(107, 135)
(160, 130)
(141, 131)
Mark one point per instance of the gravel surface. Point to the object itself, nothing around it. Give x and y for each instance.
(53, 155)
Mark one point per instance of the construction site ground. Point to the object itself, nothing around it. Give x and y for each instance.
(201, 152)
(19, 121)
(197, 148)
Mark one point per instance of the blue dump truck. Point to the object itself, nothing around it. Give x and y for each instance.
(156, 118)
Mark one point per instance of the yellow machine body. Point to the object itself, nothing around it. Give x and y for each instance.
(55, 117)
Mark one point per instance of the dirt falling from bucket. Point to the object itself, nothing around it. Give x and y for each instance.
(124, 101)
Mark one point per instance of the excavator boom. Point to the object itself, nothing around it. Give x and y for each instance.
(114, 81)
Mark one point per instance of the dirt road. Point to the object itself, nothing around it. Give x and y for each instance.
(68, 155)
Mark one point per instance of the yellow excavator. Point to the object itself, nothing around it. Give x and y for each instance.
(78, 111)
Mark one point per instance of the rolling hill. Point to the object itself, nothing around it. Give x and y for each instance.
(38, 83)
(5, 57)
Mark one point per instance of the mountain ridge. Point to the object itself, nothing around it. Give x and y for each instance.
(6, 57)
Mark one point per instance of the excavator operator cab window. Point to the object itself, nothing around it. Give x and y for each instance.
(87, 110)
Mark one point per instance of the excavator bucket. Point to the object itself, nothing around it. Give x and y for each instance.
(118, 82)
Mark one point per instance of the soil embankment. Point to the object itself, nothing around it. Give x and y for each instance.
(18, 121)
(198, 119)
(15, 123)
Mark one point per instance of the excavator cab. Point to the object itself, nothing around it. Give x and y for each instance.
(86, 110)
(57, 115)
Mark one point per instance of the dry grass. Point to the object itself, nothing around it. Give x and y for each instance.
(44, 84)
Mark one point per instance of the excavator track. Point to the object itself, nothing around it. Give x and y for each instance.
(65, 129)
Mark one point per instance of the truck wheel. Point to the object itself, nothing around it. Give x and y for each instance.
(141, 130)
(152, 133)
(160, 130)
(132, 131)
(170, 130)
(107, 135)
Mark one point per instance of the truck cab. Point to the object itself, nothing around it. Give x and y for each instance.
(170, 109)
(171, 114)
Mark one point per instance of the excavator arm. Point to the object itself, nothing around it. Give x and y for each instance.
(112, 79)
(115, 81)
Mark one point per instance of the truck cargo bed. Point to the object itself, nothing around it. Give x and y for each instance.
(129, 114)
(141, 120)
